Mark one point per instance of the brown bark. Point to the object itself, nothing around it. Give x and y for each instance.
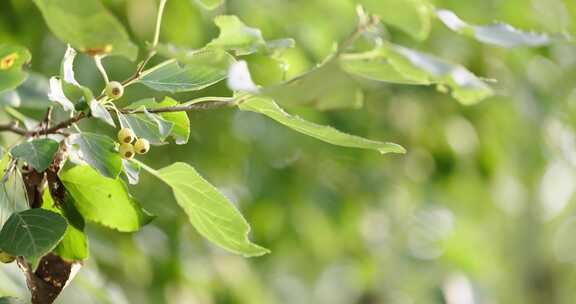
(52, 274)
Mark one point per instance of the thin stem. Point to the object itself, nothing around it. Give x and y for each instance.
(208, 104)
(146, 168)
(152, 52)
(158, 23)
(98, 61)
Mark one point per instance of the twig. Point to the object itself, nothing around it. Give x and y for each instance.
(13, 127)
(186, 108)
(152, 52)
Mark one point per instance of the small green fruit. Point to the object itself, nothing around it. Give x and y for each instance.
(126, 136)
(127, 151)
(6, 258)
(114, 89)
(142, 146)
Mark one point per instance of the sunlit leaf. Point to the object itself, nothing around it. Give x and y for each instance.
(188, 71)
(87, 26)
(32, 233)
(499, 34)
(409, 66)
(244, 40)
(375, 68)
(99, 111)
(327, 134)
(104, 200)
(237, 36)
(239, 78)
(57, 95)
(68, 66)
(211, 213)
(38, 153)
(411, 16)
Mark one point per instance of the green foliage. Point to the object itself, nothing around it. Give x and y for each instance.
(38, 153)
(10, 300)
(210, 4)
(104, 200)
(236, 36)
(12, 58)
(32, 233)
(181, 128)
(413, 67)
(326, 209)
(87, 26)
(99, 151)
(326, 87)
(74, 244)
(188, 71)
(330, 135)
(211, 213)
(411, 16)
(147, 125)
(499, 34)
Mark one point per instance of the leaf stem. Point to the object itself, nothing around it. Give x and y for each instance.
(147, 168)
(98, 61)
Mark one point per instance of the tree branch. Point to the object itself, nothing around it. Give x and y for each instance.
(13, 127)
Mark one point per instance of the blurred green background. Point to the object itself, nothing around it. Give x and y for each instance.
(480, 209)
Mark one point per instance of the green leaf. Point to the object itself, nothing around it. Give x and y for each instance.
(74, 244)
(132, 171)
(57, 95)
(12, 58)
(413, 67)
(411, 16)
(87, 26)
(104, 200)
(236, 36)
(376, 68)
(12, 191)
(211, 213)
(327, 134)
(244, 40)
(10, 300)
(32, 233)
(465, 86)
(38, 153)
(499, 34)
(181, 130)
(31, 94)
(326, 87)
(100, 112)
(187, 71)
(98, 151)
(150, 126)
(210, 4)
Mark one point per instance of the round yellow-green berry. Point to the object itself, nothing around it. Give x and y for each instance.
(127, 151)
(142, 146)
(114, 89)
(126, 136)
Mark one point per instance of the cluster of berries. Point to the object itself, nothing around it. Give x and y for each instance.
(126, 136)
